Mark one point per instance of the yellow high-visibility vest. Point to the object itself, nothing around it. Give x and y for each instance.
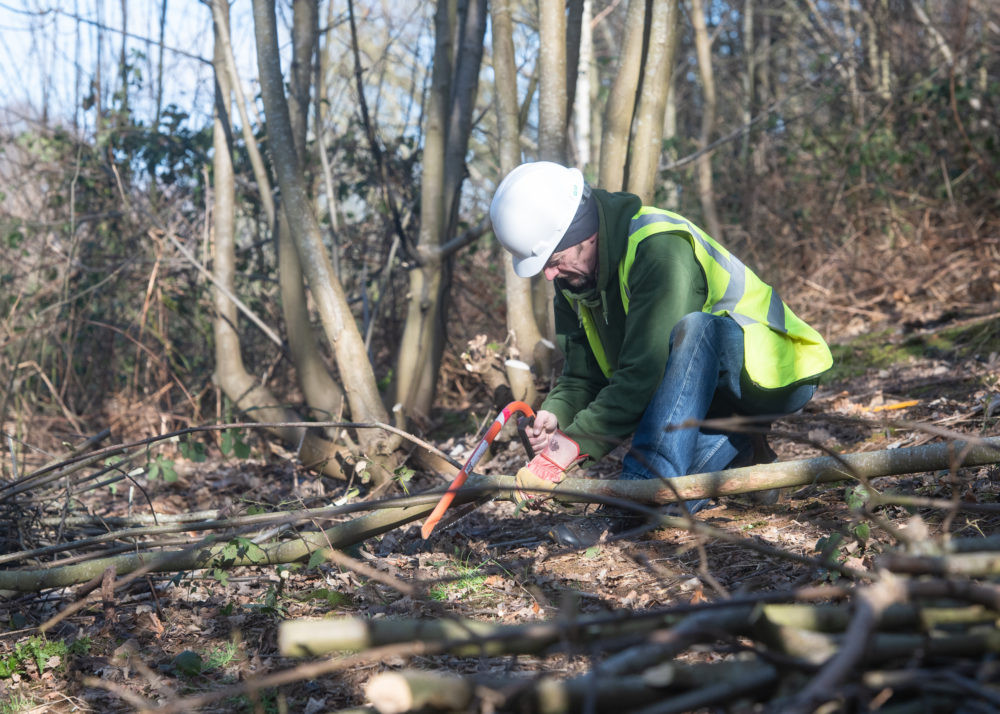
(779, 347)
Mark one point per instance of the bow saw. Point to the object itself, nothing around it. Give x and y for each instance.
(477, 453)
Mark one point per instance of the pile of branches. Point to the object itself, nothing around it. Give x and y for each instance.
(919, 635)
(918, 628)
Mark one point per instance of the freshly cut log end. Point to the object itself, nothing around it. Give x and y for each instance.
(389, 693)
(304, 638)
(397, 692)
(521, 380)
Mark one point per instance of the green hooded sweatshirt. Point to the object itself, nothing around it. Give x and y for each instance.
(666, 283)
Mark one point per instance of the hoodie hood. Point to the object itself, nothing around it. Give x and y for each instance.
(614, 213)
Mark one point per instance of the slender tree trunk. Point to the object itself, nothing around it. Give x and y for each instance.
(582, 97)
(552, 80)
(747, 112)
(647, 134)
(553, 116)
(323, 395)
(338, 323)
(574, 50)
(457, 58)
(620, 106)
(415, 383)
(706, 191)
(219, 11)
(123, 65)
(671, 187)
(159, 63)
(521, 322)
(230, 372)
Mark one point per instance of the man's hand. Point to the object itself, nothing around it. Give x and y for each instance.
(539, 433)
(547, 468)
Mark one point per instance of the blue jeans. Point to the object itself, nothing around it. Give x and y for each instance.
(704, 378)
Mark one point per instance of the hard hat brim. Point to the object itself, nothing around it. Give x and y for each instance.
(532, 265)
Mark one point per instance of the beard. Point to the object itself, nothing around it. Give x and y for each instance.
(581, 283)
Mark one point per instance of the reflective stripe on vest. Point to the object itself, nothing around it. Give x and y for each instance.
(779, 348)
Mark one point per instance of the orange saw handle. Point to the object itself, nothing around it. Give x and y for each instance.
(449, 495)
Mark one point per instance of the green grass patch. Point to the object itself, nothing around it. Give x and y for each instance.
(332, 598)
(963, 341)
(192, 664)
(875, 350)
(221, 657)
(16, 704)
(43, 653)
(883, 349)
(465, 582)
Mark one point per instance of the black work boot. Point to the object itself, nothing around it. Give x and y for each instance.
(761, 453)
(588, 530)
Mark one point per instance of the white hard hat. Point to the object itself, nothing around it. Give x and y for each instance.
(531, 210)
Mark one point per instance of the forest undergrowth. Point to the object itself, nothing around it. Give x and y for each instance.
(917, 344)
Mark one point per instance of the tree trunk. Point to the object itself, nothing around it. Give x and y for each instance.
(706, 191)
(647, 135)
(552, 80)
(457, 58)
(574, 49)
(521, 322)
(620, 106)
(582, 104)
(322, 394)
(671, 187)
(419, 333)
(747, 144)
(239, 385)
(338, 323)
(231, 374)
(220, 16)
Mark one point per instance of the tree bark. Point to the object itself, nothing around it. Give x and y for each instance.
(231, 374)
(338, 323)
(521, 323)
(454, 83)
(220, 17)
(585, 81)
(706, 190)
(647, 134)
(621, 102)
(322, 394)
(574, 50)
(552, 95)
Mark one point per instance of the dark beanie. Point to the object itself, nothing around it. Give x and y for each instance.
(584, 223)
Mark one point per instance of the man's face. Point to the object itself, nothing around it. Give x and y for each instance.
(577, 265)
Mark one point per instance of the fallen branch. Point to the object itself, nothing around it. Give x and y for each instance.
(469, 638)
(882, 624)
(802, 472)
(872, 601)
(396, 692)
(222, 555)
(967, 564)
(654, 492)
(809, 625)
(669, 687)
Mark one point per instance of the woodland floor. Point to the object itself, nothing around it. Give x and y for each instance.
(496, 565)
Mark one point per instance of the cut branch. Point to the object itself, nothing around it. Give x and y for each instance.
(793, 473)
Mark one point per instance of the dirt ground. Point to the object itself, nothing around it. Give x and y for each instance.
(165, 637)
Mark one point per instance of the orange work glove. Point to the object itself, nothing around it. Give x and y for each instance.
(547, 468)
